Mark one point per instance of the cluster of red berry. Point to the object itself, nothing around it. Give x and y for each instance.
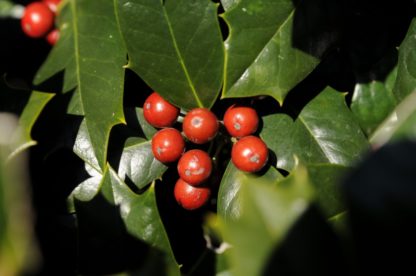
(38, 20)
(200, 126)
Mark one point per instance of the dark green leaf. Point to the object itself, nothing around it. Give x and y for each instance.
(138, 163)
(372, 102)
(228, 205)
(406, 72)
(315, 136)
(176, 48)
(83, 147)
(83, 54)
(260, 56)
(267, 213)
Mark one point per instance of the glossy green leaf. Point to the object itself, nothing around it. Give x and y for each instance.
(148, 130)
(175, 46)
(84, 149)
(139, 164)
(406, 72)
(372, 102)
(400, 124)
(267, 213)
(315, 136)
(98, 78)
(260, 56)
(228, 204)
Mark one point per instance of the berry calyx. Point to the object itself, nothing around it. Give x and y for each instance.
(200, 125)
(52, 4)
(52, 37)
(195, 166)
(191, 197)
(158, 112)
(167, 145)
(37, 20)
(241, 121)
(249, 154)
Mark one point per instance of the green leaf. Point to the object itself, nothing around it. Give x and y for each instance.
(373, 101)
(37, 102)
(175, 46)
(315, 136)
(267, 213)
(138, 163)
(400, 124)
(84, 149)
(406, 72)
(82, 53)
(229, 4)
(228, 205)
(260, 56)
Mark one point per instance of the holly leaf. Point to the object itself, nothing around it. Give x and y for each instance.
(314, 136)
(148, 130)
(175, 46)
(373, 101)
(97, 77)
(261, 58)
(406, 72)
(139, 164)
(228, 205)
(229, 4)
(268, 210)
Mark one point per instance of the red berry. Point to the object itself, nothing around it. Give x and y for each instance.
(190, 197)
(200, 125)
(249, 154)
(53, 37)
(52, 4)
(195, 166)
(158, 112)
(167, 145)
(37, 20)
(241, 121)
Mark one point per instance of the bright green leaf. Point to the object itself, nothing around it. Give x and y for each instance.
(138, 163)
(175, 46)
(315, 136)
(229, 4)
(260, 56)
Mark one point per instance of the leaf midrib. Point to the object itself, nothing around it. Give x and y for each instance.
(181, 61)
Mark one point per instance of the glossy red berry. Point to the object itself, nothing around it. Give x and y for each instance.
(195, 166)
(241, 121)
(37, 20)
(158, 112)
(52, 4)
(200, 125)
(52, 37)
(249, 154)
(191, 197)
(167, 145)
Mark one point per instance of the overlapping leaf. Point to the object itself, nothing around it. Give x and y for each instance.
(82, 55)
(175, 46)
(268, 210)
(315, 136)
(260, 56)
(138, 163)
